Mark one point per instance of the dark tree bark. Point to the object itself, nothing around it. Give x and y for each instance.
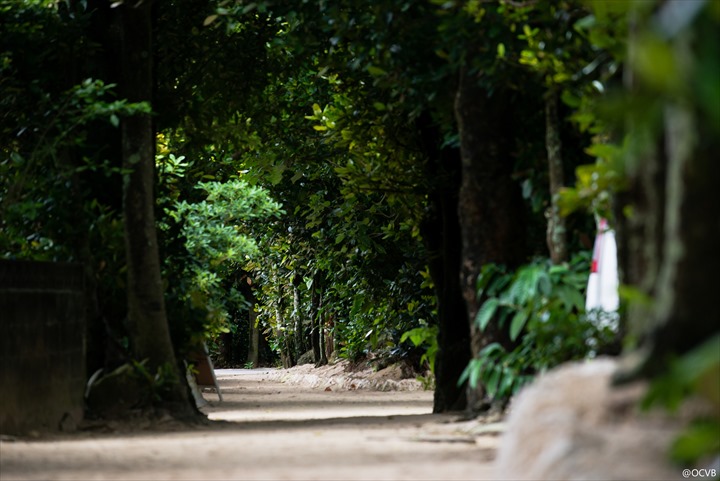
(441, 234)
(556, 227)
(491, 207)
(104, 140)
(147, 321)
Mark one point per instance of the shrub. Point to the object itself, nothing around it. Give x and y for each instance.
(543, 308)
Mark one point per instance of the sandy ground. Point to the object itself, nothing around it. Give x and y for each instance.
(275, 430)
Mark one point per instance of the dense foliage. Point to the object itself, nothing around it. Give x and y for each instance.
(330, 122)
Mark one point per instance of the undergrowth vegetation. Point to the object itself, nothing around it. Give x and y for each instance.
(543, 307)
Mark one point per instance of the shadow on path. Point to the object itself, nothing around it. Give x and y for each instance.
(269, 430)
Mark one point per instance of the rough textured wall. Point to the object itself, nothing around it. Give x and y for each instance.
(570, 424)
(42, 346)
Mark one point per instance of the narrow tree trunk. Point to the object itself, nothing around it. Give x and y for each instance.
(321, 334)
(254, 337)
(298, 337)
(315, 318)
(329, 336)
(281, 332)
(556, 228)
(147, 321)
(491, 207)
(324, 345)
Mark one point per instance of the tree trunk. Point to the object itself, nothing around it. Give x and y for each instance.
(556, 228)
(315, 318)
(441, 234)
(329, 336)
(298, 336)
(254, 329)
(321, 334)
(668, 249)
(147, 321)
(491, 207)
(281, 332)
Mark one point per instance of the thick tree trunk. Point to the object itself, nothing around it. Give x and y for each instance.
(556, 228)
(147, 321)
(491, 207)
(441, 234)
(668, 248)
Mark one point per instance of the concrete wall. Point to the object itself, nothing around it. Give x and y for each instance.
(42, 346)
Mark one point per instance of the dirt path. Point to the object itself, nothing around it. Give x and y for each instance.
(274, 431)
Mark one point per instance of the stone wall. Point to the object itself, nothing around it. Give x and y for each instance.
(42, 346)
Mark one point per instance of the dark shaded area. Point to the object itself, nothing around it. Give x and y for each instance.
(441, 234)
(42, 335)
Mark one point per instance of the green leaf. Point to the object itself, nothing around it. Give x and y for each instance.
(487, 277)
(518, 322)
(376, 71)
(17, 158)
(571, 298)
(472, 373)
(525, 285)
(569, 99)
(416, 336)
(493, 381)
(486, 312)
(114, 120)
(506, 383)
(604, 151)
(585, 23)
(544, 284)
(491, 350)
